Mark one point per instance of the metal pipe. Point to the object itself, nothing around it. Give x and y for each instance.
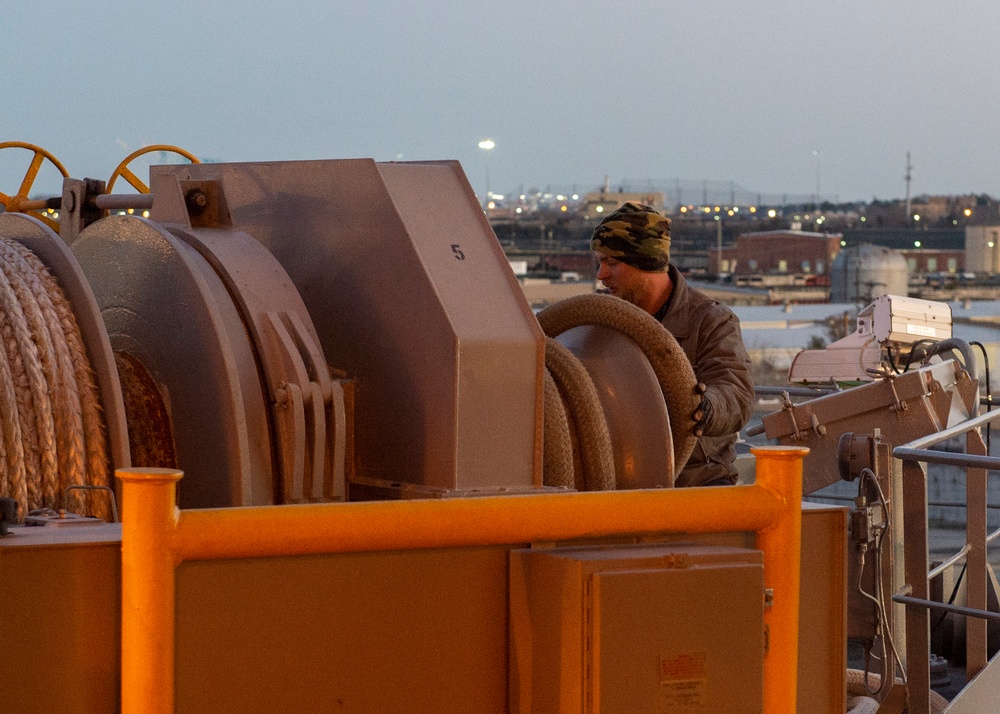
(156, 537)
(148, 497)
(779, 471)
(948, 563)
(35, 204)
(105, 201)
(794, 391)
(209, 534)
(991, 463)
(954, 343)
(114, 201)
(939, 504)
(942, 607)
(957, 430)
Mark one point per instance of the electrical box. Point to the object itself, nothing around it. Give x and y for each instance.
(905, 320)
(646, 628)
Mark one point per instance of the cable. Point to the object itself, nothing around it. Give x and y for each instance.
(892, 360)
(888, 645)
(913, 351)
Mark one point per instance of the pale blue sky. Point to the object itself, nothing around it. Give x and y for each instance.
(723, 90)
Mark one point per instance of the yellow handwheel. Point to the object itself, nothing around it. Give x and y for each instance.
(19, 202)
(136, 182)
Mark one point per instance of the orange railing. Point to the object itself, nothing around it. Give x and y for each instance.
(156, 537)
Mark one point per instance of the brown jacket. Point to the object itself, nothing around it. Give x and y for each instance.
(709, 334)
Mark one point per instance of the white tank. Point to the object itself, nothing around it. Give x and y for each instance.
(863, 272)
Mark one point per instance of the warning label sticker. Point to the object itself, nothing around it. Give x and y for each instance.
(683, 683)
(924, 330)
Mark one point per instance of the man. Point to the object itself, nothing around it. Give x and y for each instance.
(633, 245)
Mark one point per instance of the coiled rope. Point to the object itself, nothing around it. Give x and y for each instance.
(53, 436)
(585, 417)
(859, 700)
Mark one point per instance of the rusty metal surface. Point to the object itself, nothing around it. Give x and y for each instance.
(412, 296)
(163, 304)
(151, 439)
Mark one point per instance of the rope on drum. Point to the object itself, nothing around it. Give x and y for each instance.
(574, 419)
(53, 434)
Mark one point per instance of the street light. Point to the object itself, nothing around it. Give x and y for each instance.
(486, 145)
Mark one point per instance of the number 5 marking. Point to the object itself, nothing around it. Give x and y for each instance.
(457, 250)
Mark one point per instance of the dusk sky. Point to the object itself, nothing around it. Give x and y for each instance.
(712, 90)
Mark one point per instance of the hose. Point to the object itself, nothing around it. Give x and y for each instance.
(583, 409)
(558, 453)
(53, 436)
(862, 705)
(858, 688)
(670, 365)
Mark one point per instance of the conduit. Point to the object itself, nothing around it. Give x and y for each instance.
(668, 361)
(53, 434)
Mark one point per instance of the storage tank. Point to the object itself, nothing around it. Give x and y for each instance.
(863, 272)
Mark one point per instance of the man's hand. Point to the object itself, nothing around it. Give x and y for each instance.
(703, 413)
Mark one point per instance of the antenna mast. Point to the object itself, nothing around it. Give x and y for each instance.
(909, 168)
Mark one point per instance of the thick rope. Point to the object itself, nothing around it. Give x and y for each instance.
(858, 687)
(14, 478)
(51, 419)
(670, 364)
(581, 400)
(47, 406)
(558, 448)
(95, 441)
(28, 382)
(58, 364)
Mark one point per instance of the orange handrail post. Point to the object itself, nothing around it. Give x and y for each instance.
(779, 470)
(148, 566)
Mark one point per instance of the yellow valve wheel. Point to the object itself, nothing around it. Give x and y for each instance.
(137, 183)
(19, 202)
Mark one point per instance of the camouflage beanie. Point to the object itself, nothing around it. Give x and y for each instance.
(637, 235)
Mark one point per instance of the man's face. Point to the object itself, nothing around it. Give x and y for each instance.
(622, 280)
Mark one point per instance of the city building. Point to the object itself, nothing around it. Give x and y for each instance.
(982, 249)
(599, 203)
(781, 252)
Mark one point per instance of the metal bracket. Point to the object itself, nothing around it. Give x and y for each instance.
(789, 408)
(898, 404)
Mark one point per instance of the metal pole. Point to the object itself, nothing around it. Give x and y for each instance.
(779, 470)
(148, 498)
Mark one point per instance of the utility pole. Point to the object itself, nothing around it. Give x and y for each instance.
(718, 247)
(909, 168)
(817, 154)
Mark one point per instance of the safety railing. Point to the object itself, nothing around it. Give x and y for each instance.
(157, 537)
(915, 593)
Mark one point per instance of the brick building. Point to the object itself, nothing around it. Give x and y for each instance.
(777, 252)
(928, 260)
